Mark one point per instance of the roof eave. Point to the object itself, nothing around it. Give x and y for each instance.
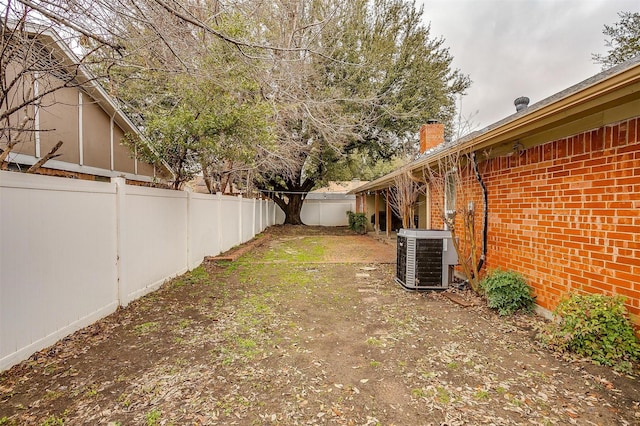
(562, 107)
(88, 82)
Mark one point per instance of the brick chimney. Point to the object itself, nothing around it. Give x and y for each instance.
(431, 135)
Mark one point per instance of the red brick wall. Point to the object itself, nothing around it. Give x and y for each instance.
(468, 190)
(566, 214)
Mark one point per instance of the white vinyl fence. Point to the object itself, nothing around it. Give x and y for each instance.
(72, 251)
(327, 209)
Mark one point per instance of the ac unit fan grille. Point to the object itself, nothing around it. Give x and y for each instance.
(428, 263)
(424, 259)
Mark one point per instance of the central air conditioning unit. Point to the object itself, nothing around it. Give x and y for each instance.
(425, 259)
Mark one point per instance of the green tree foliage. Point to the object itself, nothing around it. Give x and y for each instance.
(389, 60)
(623, 40)
(206, 119)
(359, 164)
(375, 76)
(340, 85)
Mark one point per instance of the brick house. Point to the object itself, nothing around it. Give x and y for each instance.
(59, 99)
(562, 181)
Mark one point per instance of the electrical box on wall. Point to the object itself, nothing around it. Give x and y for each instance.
(425, 259)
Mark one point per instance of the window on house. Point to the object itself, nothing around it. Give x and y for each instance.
(450, 193)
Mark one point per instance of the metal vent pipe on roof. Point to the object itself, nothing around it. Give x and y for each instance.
(521, 103)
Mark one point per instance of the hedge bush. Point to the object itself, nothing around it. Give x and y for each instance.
(507, 291)
(357, 222)
(595, 326)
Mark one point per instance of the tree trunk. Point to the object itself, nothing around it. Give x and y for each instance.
(208, 181)
(291, 207)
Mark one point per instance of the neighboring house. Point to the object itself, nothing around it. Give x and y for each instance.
(339, 187)
(199, 186)
(70, 106)
(563, 187)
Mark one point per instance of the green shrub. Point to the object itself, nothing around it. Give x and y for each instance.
(507, 291)
(595, 326)
(357, 222)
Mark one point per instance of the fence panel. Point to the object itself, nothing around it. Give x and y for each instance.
(57, 260)
(264, 214)
(264, 211)
(204, 238)
(257, 218)
(327, 211)
(229, 222)
(72, 251)
(279, 215)
(155, 238)
(247, 219)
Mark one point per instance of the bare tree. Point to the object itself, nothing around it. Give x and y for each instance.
(341, 76)
(312, 121)
(372, 82)
(459, 197)
(112, 22)
(404, 196)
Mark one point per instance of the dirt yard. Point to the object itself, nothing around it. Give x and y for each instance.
(309, 328)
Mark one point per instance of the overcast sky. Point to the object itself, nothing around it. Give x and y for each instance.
(513, 48)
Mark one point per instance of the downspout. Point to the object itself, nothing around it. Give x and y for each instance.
(485, 212)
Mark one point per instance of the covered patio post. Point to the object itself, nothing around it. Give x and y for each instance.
(377, 214)
(388, 210)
